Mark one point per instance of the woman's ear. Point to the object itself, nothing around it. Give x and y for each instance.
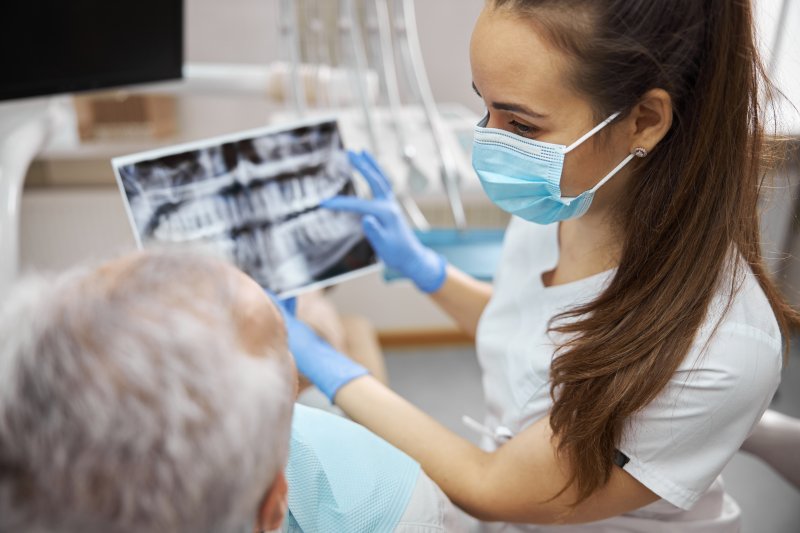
(651, 119)
(273, 508)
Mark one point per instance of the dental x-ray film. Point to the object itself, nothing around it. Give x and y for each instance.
(255, 198)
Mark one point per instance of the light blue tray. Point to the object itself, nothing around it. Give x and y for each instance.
(474, 251)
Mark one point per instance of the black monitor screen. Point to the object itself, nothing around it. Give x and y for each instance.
(57, 46)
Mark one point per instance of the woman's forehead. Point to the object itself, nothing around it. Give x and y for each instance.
(511, 61)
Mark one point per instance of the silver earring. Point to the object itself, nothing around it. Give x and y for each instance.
(640, 151)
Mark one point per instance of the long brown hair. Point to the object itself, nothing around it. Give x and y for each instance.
(692, 205)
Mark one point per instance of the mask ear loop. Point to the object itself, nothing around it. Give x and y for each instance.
(583, 139)
(639, 152)
(594, 130)
(612, 173)
(605, 180)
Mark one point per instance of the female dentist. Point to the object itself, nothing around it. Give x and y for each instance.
(632, 338)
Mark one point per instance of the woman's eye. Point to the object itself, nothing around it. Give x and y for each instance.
(522, 129)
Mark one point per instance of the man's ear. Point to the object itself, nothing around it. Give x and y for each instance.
(272, 512)
(652, 119)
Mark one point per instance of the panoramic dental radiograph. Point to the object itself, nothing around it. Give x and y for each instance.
(254, 198)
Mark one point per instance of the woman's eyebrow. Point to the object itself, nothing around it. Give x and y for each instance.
(514, 108)
(517, 108)
(474, 88)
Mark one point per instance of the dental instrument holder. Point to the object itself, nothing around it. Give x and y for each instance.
(388, 68)
(411, 51)
(403, 34)
(290, 31)
(350, 29)
(323, 58)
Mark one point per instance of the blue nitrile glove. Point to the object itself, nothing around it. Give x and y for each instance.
(287, 306)
(316, 359)
(387, 230)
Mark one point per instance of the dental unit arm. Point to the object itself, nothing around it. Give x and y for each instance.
(407, 150)
(290, 31)
(24, 130)
(406, 29)
(351, 32)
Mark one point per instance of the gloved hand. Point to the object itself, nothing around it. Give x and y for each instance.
(387, 230)
(326, 368)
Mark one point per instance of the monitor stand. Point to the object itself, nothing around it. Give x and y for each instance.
(24, 129)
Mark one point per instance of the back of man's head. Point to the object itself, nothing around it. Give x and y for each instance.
(128, 403)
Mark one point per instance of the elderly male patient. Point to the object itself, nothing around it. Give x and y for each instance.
(155, 393)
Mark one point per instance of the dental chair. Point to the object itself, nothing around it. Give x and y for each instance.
(776, 441)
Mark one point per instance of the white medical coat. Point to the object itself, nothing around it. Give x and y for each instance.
(678, 444)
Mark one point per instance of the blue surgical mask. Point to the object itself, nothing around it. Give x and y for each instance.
(523, 177)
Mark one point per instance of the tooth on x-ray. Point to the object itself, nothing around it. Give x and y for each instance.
(254, 199)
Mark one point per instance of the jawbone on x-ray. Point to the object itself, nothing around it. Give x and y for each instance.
(255, 198)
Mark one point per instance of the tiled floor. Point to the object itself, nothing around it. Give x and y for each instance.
(446, 383)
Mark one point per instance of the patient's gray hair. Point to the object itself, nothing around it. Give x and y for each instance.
(127, 404)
